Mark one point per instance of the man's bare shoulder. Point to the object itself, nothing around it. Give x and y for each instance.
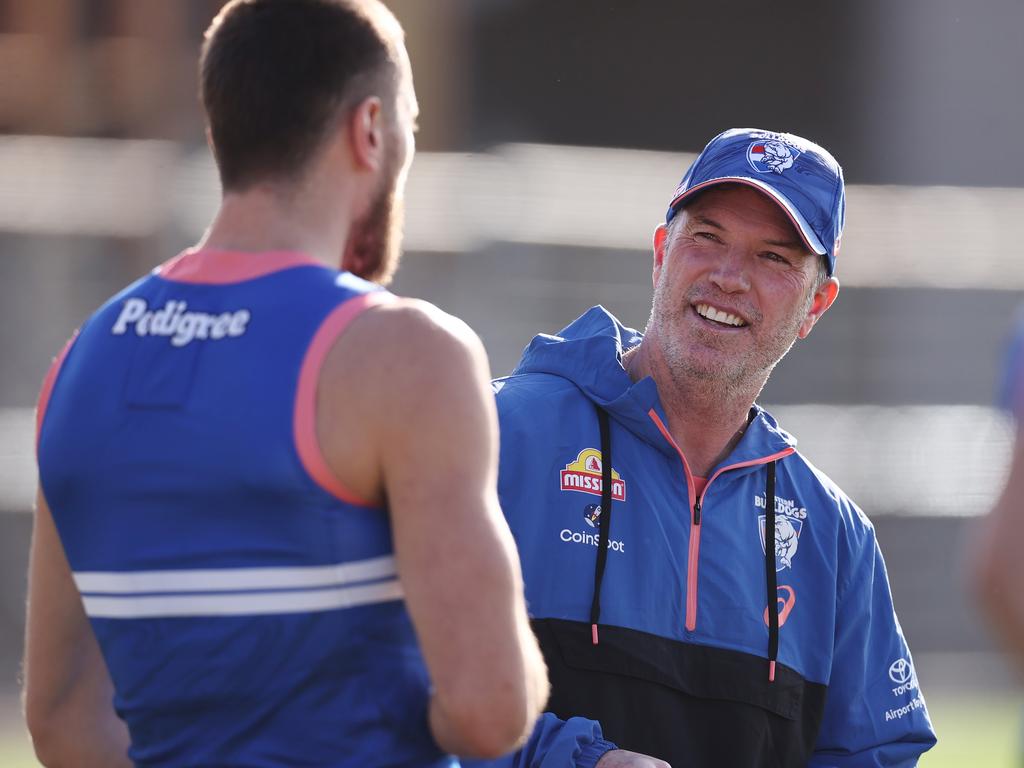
(401, 372)
(408, 336)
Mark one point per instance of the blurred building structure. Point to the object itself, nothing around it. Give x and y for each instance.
(552, 134)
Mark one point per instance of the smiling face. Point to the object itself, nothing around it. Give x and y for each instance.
(734, 287)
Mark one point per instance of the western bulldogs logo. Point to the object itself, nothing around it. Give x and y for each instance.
(789, 523)
(771, 156)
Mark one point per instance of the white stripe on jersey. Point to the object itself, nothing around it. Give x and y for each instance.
(224, 579)
(240, 603)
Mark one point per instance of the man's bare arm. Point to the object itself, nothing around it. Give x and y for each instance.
(995, 560)
(68, 694)
(405, 412)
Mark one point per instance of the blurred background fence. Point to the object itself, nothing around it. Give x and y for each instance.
(552, 135)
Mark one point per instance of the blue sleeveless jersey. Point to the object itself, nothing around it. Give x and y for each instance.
(247, 606)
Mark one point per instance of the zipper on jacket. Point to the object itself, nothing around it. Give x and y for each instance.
(696, 503)
(692, 561)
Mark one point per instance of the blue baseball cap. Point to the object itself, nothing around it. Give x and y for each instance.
(802, 177)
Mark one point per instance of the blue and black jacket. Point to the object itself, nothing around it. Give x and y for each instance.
(661, 611)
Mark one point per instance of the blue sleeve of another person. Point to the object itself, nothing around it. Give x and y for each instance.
(1011, 391)
(573, 743)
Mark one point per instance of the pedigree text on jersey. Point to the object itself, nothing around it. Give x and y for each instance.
(176, 322)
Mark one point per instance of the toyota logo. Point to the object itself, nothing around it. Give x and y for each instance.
(900, 671)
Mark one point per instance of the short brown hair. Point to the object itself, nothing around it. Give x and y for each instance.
(275, 73)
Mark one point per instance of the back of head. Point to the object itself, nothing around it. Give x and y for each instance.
(275, 75)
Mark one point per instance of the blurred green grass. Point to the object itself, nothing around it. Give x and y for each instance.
(976, 730)
(15, 750)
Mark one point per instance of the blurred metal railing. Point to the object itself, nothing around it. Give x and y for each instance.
(921, 460)
(950, 237)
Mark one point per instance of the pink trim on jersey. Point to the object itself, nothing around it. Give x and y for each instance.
(209, 266)
(48, 381)
(304, 425)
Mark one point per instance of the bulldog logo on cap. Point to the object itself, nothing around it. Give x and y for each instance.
(771, 156)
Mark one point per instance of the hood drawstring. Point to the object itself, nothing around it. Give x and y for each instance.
(770, 572)
(604, 520)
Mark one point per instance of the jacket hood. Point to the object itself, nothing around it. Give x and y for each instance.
(588, 352)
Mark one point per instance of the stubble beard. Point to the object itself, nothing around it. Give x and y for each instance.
(729, 373)
(376, 240)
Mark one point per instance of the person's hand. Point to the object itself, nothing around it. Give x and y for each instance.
(621, 758)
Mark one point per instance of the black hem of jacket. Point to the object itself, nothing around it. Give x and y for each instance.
(692, 705)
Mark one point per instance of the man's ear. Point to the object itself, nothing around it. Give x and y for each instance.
(660, 243)
(823, 298)
(366, 134)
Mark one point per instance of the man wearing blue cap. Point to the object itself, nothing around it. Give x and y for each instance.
(724, 604)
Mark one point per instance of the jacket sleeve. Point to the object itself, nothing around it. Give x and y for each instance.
(554, 743)
(875, 715)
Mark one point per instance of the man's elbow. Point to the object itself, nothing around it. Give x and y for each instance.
(47, 734)
(488, 731)
(491, 722)
(48, 728)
